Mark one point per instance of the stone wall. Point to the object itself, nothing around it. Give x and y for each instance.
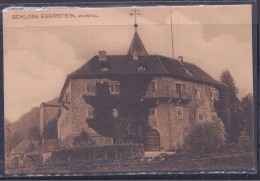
(64, 124)
(172, 130)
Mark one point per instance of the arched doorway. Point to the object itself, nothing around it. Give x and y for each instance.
(152, 142)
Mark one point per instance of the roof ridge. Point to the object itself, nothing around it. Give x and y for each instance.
(162, 64)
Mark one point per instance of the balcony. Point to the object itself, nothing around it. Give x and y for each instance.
(160, 94)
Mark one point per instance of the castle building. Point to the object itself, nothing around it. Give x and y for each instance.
(183, 92)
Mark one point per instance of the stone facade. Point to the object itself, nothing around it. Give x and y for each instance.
(180, 93)
(74, 112)
(193, 103)
(172, 127)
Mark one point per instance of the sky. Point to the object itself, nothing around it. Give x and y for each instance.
(39, 53)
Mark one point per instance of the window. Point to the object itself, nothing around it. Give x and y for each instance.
(90, 112)
(153, 117)
(213, 94)
(178, 89)
(152, 142)
(179, 112)
(104, 69)
(214, 117)
(200, 115)
(198, 92)
(141, 68)
(135, 55)
(66, 97)
(152, 86)
(153, 122)
(114, 87)
(91, 88)
(115, 113)
(152, 112)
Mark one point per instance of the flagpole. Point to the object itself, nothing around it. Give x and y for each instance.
(172, 34)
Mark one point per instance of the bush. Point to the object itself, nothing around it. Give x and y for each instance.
(245, 143)
(98, 153)
(204, 138)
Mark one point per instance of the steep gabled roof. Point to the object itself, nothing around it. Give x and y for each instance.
(137, 45)
(154, 65)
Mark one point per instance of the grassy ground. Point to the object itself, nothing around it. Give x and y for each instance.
(231, 162)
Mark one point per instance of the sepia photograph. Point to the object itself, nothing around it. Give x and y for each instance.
(151, 89)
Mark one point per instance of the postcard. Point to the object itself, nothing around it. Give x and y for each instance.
(152, 89)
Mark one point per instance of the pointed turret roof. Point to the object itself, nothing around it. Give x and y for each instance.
(137, 45)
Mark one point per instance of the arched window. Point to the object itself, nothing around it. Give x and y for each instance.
(152, 142)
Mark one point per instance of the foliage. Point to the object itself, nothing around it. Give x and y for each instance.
(98, 153)
(132, 123)
(84, 138)
(34, 133)
(222, 107)
(26, 122)
(248, 116)
(245, 142)
(29, 120)
(8, 136)
(229, 108)
(204, 138)
(50, 131)
(102, 103)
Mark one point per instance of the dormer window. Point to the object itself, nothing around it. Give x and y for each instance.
(104, 69)
(180, 59)
(141, 66)
(135, 56)
(188, 72)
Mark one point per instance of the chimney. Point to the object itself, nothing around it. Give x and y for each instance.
(135, 56)
(180, 59)
(102, 55)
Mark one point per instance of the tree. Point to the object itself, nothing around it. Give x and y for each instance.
(132, 122)
(248, 116)
(16, 138)
(102, 103)
(204, 138)
(34, 133)
(50, 131)
(8, 136)
(84, 138)
(222, 107)
(229, 107)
